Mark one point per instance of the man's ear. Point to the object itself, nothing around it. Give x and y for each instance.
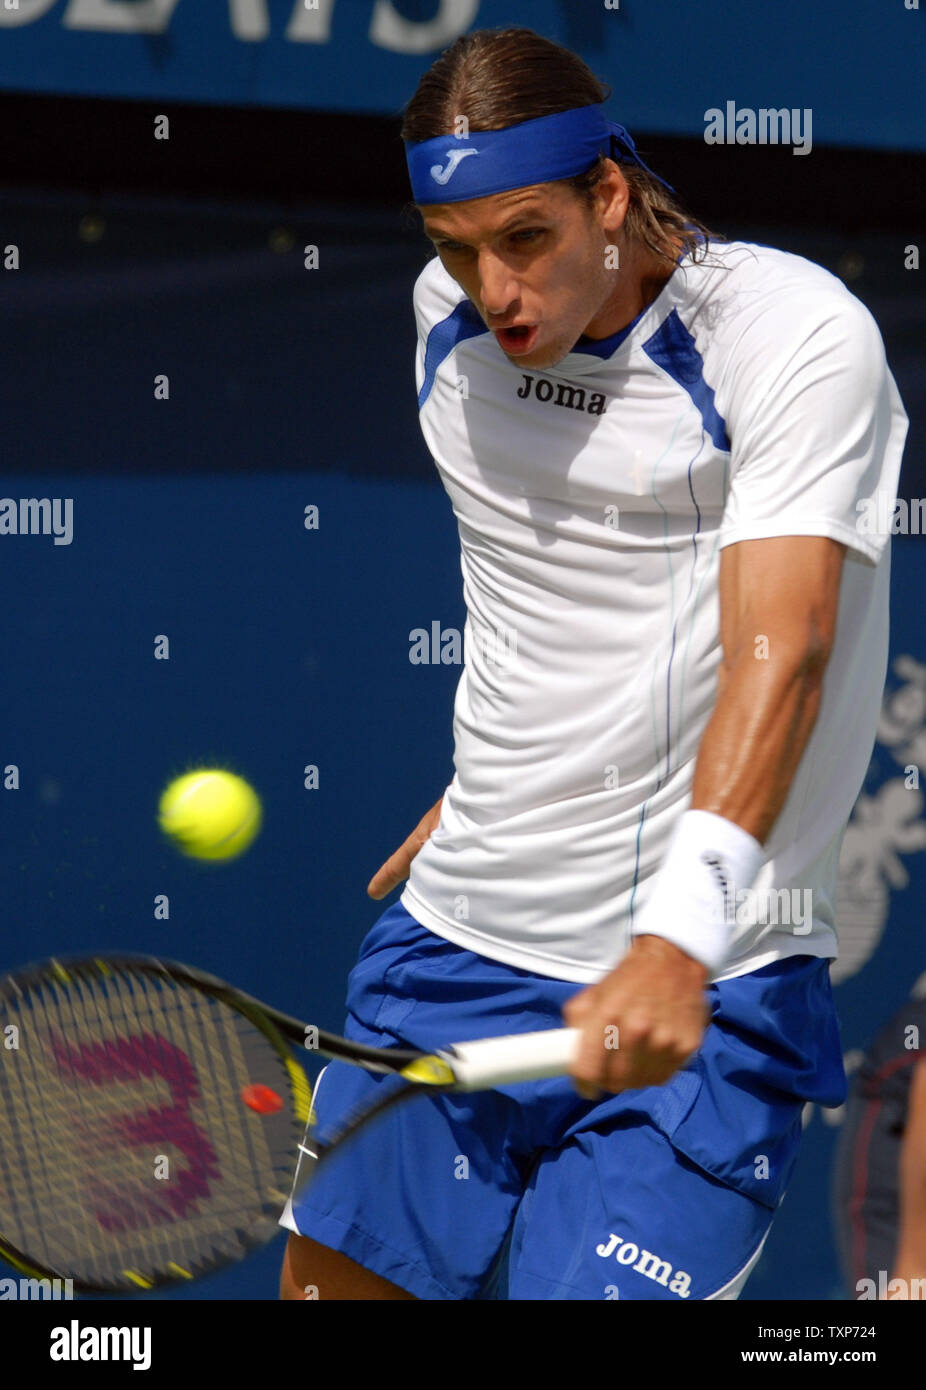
(613, 194)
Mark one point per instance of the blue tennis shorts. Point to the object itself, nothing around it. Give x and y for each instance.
(531, 1191)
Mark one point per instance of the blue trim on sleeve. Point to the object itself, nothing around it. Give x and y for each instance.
(463, 323)
(673, 349)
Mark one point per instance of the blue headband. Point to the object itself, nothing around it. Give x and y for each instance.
(453, 168)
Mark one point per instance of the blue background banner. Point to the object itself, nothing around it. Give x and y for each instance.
(856, 64)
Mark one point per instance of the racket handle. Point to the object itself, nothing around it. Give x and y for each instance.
(488, 1062)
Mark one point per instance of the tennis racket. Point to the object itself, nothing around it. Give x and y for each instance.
(152, 1116)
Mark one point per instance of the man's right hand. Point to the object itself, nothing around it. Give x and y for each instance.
(397, 865)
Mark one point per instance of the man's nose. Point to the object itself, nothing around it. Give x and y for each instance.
(498, 287)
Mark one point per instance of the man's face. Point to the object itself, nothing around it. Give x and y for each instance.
(533, 256)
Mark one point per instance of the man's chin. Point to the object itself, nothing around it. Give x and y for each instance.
(538, 360)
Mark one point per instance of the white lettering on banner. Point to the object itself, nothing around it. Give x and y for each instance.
(119, 16)
(310, 23)
(388, 29)
(25, 12)
(249, 20)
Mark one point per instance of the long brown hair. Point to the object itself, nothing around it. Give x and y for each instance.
(500, 77)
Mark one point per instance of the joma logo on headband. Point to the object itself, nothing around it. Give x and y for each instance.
(440, 175)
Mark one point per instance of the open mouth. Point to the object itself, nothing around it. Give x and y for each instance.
(519, 339)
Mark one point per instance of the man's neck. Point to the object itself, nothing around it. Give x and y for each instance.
(640, 282)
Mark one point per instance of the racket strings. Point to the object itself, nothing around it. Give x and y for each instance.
(173, 1020)
(108, 1069)
(187, 1025)
(25, 1151)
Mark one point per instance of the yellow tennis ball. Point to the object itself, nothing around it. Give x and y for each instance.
(210, 813)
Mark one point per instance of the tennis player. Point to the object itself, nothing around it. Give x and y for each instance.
(661, 449)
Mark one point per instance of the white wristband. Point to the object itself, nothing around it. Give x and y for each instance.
(693, 899)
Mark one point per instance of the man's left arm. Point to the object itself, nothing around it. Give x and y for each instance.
(779, 601)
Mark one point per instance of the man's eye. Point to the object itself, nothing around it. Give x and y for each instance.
(523, 235)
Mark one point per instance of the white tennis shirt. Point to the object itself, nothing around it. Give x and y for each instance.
(752, 398)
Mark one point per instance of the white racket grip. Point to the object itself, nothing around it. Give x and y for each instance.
(488, 1062)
